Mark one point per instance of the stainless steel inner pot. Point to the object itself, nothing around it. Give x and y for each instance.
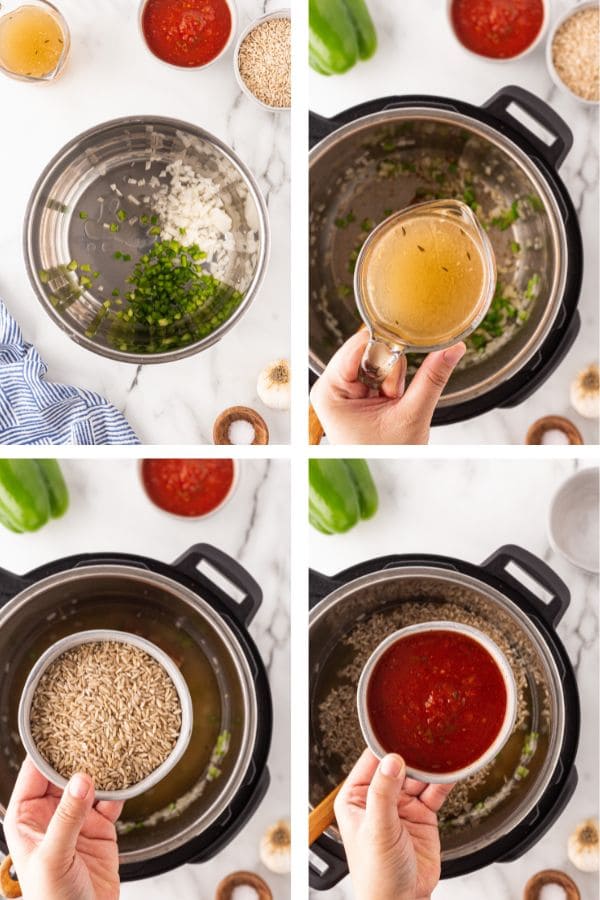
(385, 593)
(104, 595)
(345, 176)
(98, 173)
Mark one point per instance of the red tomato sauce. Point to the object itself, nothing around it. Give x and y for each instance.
(438, 699)
(187, 487)
(186, 32)
(499, 29)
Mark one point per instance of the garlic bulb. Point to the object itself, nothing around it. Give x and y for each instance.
(582, 847)
(585, 392)
(276, 848)
(273, 385)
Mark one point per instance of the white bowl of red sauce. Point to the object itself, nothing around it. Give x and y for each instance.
(498, 30)
(188, 34)
(440, 694)
(189, 488)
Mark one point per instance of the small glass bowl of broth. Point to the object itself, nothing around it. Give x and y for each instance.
(424, 280)
(34, 40)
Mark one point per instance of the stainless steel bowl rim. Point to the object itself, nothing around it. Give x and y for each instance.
(507, 676)
(257, 278)
(104, 635)
(463, 580)
(524, 162)
(238, 658)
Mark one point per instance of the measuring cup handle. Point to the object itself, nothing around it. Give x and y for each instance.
(377, 362)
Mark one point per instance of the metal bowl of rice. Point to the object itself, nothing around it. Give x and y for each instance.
(76, 707)
(102, 206)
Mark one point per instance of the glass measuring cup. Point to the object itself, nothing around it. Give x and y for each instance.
(34, 40)
(424, 280)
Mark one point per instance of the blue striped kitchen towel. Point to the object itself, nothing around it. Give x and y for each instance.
(35, 411)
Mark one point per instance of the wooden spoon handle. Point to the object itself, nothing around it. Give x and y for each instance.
(322, 816)
(9, 886)
(315, 429)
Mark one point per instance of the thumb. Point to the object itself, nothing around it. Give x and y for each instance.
(66, 823)
(432, 377)
(383, 796)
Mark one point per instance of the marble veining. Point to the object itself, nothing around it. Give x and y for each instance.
(469, 509)
(251, 529)
(418, 55)
(111, 74)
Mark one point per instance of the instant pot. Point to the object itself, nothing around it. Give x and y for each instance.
(520, 597)
(491, 141)
(53, 598)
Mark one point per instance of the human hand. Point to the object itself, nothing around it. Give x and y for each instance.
(388, 824)
(352, 413)
(61, 847)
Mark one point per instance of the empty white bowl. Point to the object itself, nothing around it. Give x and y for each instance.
(573, 527)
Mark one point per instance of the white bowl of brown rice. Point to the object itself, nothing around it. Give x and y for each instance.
(573, 52)
(262, 61)
(110, 704)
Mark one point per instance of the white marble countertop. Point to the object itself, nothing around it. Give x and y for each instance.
(418, 55)
(111, 73)
(251, 529)
(468, 510)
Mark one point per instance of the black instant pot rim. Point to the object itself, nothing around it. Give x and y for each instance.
(256, 778)
(564, 778)
(565, 328)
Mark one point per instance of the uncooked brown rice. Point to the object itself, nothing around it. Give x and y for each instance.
(108, 709)
(575, 52)
(265, 62)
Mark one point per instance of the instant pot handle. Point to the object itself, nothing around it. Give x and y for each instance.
(10, 585)
(554, 153)
(330, 872)
(233, 574)
(553, 610)
(535, 827)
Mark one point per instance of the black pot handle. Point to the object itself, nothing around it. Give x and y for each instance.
(331, 872)
(553, 154)
(531, 833)
(10, 585)
(551, 612)
(320, 127)
(243, 610)
(531, 385)
(233, 828)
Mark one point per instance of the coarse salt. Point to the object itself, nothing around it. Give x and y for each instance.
(554, 436)
(241, 432)
(552, 892)
(244, 892)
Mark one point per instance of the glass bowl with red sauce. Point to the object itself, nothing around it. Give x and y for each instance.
(440, 694)
(188, 34)
(498, 30)
(189, 488)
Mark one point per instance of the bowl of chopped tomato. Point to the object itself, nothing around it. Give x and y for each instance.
(440, 694)
(498, 30)
(188, 34)
(189, 488)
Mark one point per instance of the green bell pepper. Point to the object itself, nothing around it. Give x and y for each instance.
(32, 491)
(341, 493)
(340, 33)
